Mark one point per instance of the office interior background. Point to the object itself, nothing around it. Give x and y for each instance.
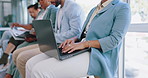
(133, 61)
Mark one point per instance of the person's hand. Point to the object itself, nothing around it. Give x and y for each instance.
(15, 25)
(75, 46)
(68, 41)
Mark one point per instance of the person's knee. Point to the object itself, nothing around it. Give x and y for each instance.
(29, 64)
(4, 44)
(35, 71)
(14, 55)
(5, 41)
(39, 72)
(21, 59)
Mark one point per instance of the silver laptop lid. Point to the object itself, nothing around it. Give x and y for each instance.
(47, 42)
(45, 37)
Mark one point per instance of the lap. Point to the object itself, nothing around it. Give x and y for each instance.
(26, 55)
(76, 66)
(25, 44)
(21, 50)
(26, 48)
(34, 60)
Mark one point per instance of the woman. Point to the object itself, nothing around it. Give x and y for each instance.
(105, 27)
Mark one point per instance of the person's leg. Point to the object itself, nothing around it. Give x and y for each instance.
(73, 67)
(4, 44)
(10, 48)
(23, 57)
(11, 70)
(33, 61)
(18, 51)
(16, 74)
(6, 35)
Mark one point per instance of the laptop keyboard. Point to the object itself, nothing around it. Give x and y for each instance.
(60, 50)
(68, 55)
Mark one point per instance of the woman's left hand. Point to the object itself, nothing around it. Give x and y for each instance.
(72, 47)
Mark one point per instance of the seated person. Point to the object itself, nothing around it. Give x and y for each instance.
(104, 30)
(12, 44)
(33, 11)
(68, 24)
(47, 13)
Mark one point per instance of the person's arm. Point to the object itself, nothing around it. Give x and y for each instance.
(118, 31)
(28, 26)
(74, 23)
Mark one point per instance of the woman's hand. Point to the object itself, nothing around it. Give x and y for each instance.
(81, 45)
(75, 46)
(68, 41)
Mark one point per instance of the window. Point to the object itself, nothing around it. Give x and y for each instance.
(7, 9)
(139, 10)
(5, 12)
(20, 11)
(136, 41)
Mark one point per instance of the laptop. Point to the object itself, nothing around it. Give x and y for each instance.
(47, 43)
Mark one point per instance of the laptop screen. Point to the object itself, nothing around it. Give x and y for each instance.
(45, 35)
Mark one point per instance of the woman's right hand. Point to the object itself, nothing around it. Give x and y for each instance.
(68, 41)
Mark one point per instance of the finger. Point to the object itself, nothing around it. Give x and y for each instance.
(63, 49)
(69, 42)
(72, 50)
(72, 42)
(66, 42)
(63, 44)
(67, 48)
